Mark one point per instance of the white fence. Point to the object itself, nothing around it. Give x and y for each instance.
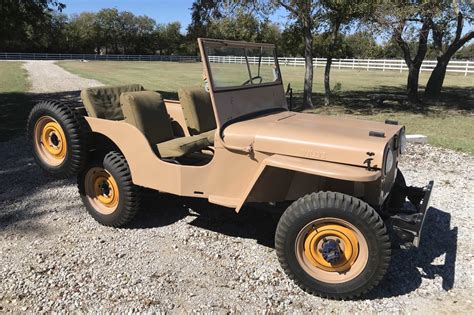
(464, 66)
(41, 56)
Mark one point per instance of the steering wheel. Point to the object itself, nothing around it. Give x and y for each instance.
(254, 78)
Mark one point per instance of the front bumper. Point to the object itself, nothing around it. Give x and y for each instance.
(408, 222)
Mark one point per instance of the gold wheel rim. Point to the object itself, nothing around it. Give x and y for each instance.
(353, 246)
(50, 141)
(102, 190)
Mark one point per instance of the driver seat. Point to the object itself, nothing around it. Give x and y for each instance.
(198, 112)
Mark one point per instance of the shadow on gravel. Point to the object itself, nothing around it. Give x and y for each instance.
(15, 108)
(162, 209)
(408, 268)
(23, 185)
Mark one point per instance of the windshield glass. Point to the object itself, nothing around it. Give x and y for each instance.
(240, 67)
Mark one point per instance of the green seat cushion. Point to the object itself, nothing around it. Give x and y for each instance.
(181, 146)
(197, 109)
(104, 102)
(147, 111)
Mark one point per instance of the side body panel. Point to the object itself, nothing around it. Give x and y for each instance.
(232, 177)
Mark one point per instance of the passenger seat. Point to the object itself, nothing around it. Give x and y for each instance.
(198, 112)
(147, 111)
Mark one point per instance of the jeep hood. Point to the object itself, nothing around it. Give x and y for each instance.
(312, 136)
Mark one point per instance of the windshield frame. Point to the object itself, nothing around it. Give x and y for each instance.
(222, 43)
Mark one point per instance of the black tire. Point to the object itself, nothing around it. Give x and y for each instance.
(128, 201)
(344, 208)
(74, 128)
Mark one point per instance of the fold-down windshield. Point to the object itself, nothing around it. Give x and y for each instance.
(237, 66)
(244, 79)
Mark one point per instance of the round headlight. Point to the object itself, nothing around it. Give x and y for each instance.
(403, 142)
(388, 161)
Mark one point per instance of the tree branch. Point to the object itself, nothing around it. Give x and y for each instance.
(397, 36)
(422, 43)
(288, 8)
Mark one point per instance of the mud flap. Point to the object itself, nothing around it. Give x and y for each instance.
(408, 222)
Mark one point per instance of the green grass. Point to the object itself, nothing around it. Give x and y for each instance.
(169, 76)
(15, 103)
(448, 122)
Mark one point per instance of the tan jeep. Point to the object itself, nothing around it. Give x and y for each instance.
(235, 142)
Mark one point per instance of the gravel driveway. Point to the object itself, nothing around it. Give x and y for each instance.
(47, 77)
(183, 255)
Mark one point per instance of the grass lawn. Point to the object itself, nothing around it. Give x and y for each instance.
(449, 122)
(15, 103)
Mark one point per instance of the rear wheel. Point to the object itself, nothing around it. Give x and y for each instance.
(332, 245)
(58, 136)
(107, 191)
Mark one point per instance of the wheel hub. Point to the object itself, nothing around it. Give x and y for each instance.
(331, 247)
(331, 251)
(103, 190)
(50, 140)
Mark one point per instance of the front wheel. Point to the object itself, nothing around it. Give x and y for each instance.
(107, 190)
(332, 245)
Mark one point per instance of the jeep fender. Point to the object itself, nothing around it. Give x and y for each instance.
(313, 167)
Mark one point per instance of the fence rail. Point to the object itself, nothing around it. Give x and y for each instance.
(466, 67)
(37, 56)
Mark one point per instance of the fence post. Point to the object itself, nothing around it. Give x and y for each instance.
(353, 63)
(339, 63)
(467, 68)
(401, 66)
(368, 64)
(383, 65)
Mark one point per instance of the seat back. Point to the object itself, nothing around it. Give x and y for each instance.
(147, 111)
(197, 109)
(104, 102)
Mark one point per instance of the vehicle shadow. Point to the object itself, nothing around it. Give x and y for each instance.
(160, 209)
(405, 273)
(408, 268)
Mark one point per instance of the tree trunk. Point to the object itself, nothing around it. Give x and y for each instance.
(327, 83)
(412, 83)
(308, 75)
(435, 82)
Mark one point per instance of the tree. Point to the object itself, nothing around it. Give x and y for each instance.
(202, 12)
(448, 38)
(21, 19)
(362, 45)
(408, 21)
(303, 12)
(82, 34)
(240, 26)
(291, 41)
(169, 38)
(336, 15)
(107, 27)
(466, 53)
